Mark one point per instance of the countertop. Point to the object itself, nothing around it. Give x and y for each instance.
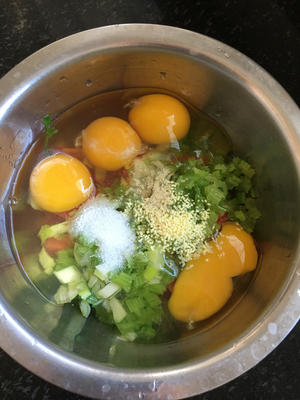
(268, 31)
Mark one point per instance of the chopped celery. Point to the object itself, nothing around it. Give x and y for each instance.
(155, 280)
(150, 272)
(93, 300)
(155, 263)
(92, 281)
(152, 299)
(109, 290)
(85, 308)
(157, 288)
(155, 257)
(57, 230)
(83, 290)
(68, 275)
(135, 305)
(73, 291)
(46, 261)
(62, 295)
(96, 287)
(87, 273)
(106, 305)
(100, 274)
(64, 258)
(117, 309)
(86, 254)
(123, 279)
(220, 187)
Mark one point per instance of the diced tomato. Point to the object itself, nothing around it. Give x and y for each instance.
(205, 160)
(185, 158)
(171, 286)
(189, 157)
(53, 245)
(222, 218)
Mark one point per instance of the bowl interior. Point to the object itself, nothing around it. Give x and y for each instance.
(257, 134)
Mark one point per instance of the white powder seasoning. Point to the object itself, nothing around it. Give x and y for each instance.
(98, 221)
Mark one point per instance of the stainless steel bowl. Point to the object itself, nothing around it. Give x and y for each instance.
(264, 124)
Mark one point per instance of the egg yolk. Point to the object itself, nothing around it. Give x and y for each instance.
(110, 143)
(159, 119)
(205, 285)
(60, 183)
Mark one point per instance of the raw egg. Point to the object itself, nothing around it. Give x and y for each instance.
(159, 119)
(60, 183)
(205, 285)
(110, 143)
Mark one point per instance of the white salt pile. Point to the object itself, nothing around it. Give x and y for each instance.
(98, 221)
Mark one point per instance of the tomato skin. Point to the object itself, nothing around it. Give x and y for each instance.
(53, 245)
(222, 218)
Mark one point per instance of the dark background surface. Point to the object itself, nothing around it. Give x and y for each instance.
(268, 31)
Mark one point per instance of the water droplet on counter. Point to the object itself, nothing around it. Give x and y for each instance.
(88, 83)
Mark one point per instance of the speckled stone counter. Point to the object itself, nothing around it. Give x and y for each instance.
(268, 31)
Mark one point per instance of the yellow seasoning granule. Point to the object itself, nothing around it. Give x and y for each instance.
(165, 216)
